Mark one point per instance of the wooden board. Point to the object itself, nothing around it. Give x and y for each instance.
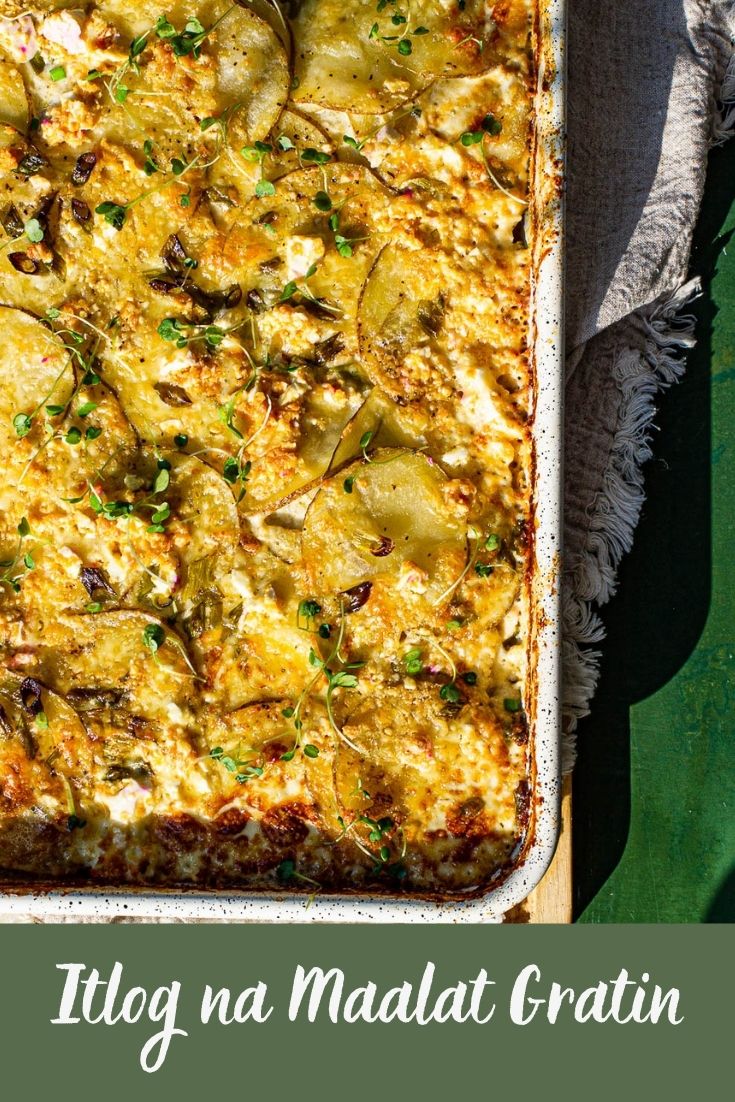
(551, 901)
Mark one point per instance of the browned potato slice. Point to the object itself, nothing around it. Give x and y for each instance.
(127, 652)
(255, 738)
(394, 515)
(57, 736)
(400, 322)
(406, 736)
(354, 58)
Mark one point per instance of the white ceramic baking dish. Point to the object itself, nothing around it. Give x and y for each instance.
(545, 643)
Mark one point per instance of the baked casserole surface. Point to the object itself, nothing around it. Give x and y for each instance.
(265, 395)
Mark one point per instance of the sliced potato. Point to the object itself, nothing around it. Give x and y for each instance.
(252, 73)
(407, 737)
(202, 524)
(278, 225)
(266, 657)
(257, 736)
(396, 518)
(203, 502)
(59, 738)
(400, 322)
(350, 56)
(120, 651)
(380, 421)
(13, 98)
(302, 133)
(242, 73)
(298, 466)
(35, 369)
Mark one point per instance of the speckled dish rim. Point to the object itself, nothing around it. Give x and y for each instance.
(105, 904)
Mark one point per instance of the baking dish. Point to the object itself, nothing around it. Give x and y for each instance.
(544, 642)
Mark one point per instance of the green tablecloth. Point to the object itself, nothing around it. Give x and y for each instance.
(654, 799)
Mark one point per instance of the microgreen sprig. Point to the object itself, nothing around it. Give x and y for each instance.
(343, 678)
(244, 769)
(9, 577)
(115, 214)
(402, 41)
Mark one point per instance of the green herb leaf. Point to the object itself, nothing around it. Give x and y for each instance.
(322, 201)
(472, 137)
(34, 230)
(492, 543)
(404, 47)
(342, 680)
(491, 125)
(153, 637)
(86, 408)
(512, 704)
(286, 870)
(93, 432)
(181, 439)
(483, 569)
(315, 156)
(24, 528)
(163, 28)
(73, 436)
(311, 751)
(450, 693)
(413, 661)
(264, 188)
(112, 213)
(22, 424)
(162, 480)
(169, 329)
(57, 73)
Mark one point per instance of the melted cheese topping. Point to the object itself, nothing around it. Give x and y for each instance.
(264, 400)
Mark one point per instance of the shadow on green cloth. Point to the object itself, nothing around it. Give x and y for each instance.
(655, 622)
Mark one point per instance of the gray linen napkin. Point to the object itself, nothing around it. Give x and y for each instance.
(651, 87)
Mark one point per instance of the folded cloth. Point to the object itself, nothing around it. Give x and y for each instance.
(651, 87)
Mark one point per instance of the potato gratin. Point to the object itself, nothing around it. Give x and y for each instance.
(264, 418)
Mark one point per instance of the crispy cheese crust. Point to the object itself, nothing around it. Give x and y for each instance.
(265, 391)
